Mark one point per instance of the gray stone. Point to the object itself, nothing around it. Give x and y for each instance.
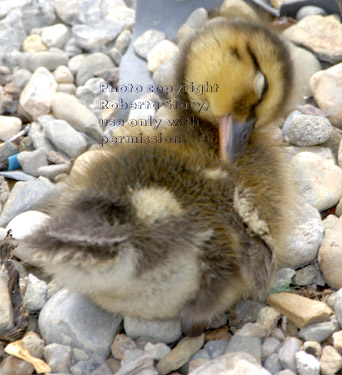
(25, 196)
(39, 139)
(252, 330)
(285, 372)
(271, 345)
(86, 367)
(247, 310)
(164, 75)
(165, 331)
(285, 274)
(56, 35)
(307, 130)
(197, 18)
(115, 55)
(92, 37)
(65, 138)
(34, 344)
(288, 351)
(7, 149)
(272, 363)
(48, 59)
(68, 108)
(157, 351)
(320, 331)
(90, 65)
(58, 357)
(79, 11)
(306, 275)
(307, 364)
(289, 119)
(70, 319)
(137, 362)
(31, 161)
(144, 43)
(338, 306)
(51, 171)
(232, 363)
(21, 77)
(201, 354)
(215, 348)
(125, 17)
(36, 97)
(35, 294)
(71, 48)
(6, 310)
(103, 370)
(307, 236)
(251, 345)
(67, 88)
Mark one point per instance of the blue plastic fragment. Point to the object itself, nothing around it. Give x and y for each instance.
(13, 162)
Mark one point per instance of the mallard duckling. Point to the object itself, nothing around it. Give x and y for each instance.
(164, 231)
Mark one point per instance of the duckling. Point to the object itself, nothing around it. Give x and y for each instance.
(183, 230)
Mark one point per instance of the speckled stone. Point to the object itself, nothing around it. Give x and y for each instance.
(144, 43)
(331, 361)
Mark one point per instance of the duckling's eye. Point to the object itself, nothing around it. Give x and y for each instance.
(260, 85)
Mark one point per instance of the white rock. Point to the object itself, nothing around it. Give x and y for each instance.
(160, 53)
(26, 223)
(31, 161)
(157, 351)
(35, 295)
(37, 94)
(9, 126)
(63, 75)
(331, 361)
(319, 180)
(307, 364)
(6, 311)
(55, 36)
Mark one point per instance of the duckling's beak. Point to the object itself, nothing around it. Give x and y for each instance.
(233, 137)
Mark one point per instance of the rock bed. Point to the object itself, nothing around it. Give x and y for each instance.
(55, 56)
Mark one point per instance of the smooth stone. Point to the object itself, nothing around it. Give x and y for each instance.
(6, 309)
(18, 176)
(35, 294)
(68, 108)
(31, 161)
(310, 10)
(21, 77)
(300, 310)
(268, 317)
(58, 357)
(306, 275)
(67, 88)
(231, 363)
(319, 181)
(246, 344)
(136, 361)
(326, 90)
(37, 94)
(305, 64)
(273, 364)
(34, 344)
(306, 237)
(330, 221)
(48, 59)
(271, 345)
(63, 75)
(70, 319)
(65, 138)
(180, 354)
(312, 347)
(285, 372)
(287, 353)
(285, 274)
(247, 310)
(15, 366)
(238, 9)
(215, 348)
(145, 42)
(75, 62)
(337, 341)
(115, 55)
(90, 65)
(120, 345)
(195, 363)
(329, 255)
(52, 171)
(197, 18)
(123, 16)
(25, 223)
(339, 208)
(319, 332)
(331, 361)
(122, 41)
(320, 35)
(34, 43)
(86, 367)
(161, 52)
(25, 196)
(92, 37)
(309, 130)
(252, 330)
(339, 157)
(56, 35)
(307, 364)
(9, 126)
(338, 306)
(164, 75)
(157, 351)
(38, 137)
(166, 331)
(103, 370)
